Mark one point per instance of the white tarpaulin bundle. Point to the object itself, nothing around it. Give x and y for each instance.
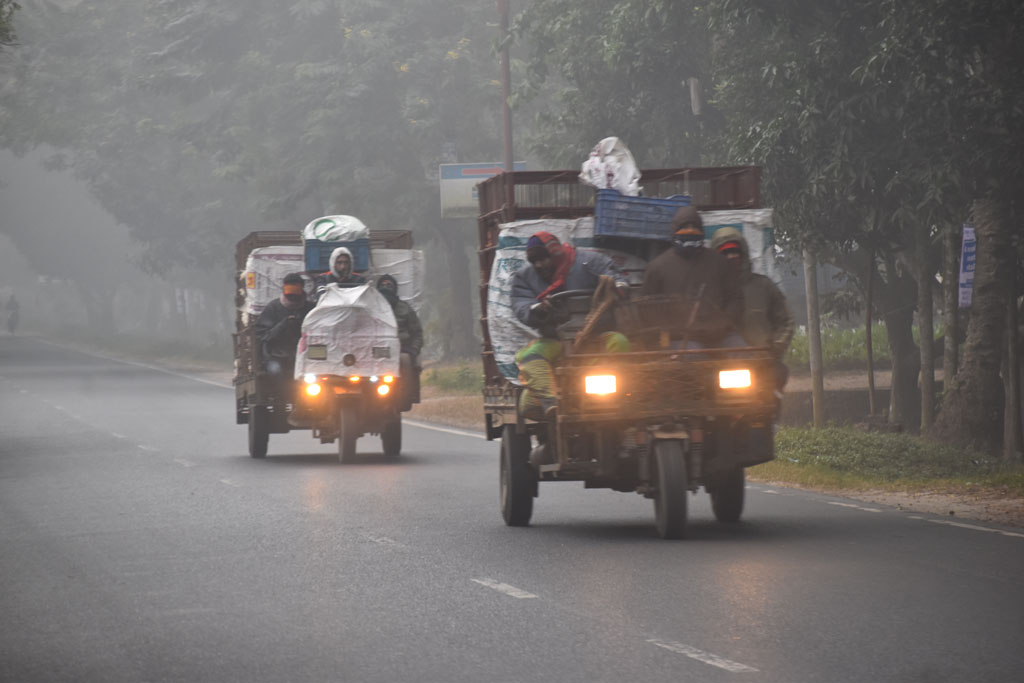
(407, 266)
(508, 335)
(353, 320)
(336, 229)
(610, 166)
(265, 269)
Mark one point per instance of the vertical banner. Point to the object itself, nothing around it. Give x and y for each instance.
(967, 255)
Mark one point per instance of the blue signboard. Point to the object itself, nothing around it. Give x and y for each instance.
(967, 256)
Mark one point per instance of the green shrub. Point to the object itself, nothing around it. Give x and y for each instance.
(466, 378)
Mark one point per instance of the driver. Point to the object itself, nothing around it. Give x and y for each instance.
(553, 267)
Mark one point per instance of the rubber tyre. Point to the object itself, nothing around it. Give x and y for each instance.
(391, 437)
(347, 434)
(259, 431)
(518, 481)
(670, 499)
(727, 496)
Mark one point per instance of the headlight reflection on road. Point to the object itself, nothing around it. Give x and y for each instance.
(315, 493)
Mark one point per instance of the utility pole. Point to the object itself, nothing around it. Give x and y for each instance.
(814, 338)
(506, 83)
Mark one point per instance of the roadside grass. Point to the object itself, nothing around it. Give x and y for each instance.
(204, 354)
(842, 458)
(463, 378)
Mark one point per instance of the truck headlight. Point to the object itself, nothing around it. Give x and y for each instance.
(734, 379)
(313, 389)
(383, 389)
(600, 385)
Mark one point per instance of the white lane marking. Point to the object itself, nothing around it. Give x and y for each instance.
(148, 448)
(771, 491)
(855, 507)
(119, 436)
(973, 527)
(701, 656)
(446, 430)
(231, 483)
(24, 391)
(505, 588)
(381, 540)
(184, 463)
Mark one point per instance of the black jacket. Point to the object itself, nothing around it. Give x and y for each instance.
(279, 328)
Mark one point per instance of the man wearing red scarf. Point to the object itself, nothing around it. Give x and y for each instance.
(555, 267)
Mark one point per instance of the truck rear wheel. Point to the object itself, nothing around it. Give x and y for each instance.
(347, 433)
(518, 479)
(259, 431)
(391, 437)
(670, 497)
(727, 496)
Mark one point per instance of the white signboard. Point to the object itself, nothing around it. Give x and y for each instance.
(458, 186)
(967, 255)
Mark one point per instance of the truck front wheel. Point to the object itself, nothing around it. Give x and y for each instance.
(259, 431)
(518, 479)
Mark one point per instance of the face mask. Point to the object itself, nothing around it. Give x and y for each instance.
(687, 245)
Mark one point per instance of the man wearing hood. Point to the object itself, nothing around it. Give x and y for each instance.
(767, 320)
(701, 275)
(410, 331)
(279, 326)
(341, 273)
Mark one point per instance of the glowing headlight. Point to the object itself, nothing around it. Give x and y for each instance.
(309, 378)
(373, 378)
(383, 389)
(388, 379)
(599, 384)
(354, 379)
(734, 379)
(313, 389)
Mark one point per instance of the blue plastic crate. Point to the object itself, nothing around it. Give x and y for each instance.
(318, 254)
(649, 218)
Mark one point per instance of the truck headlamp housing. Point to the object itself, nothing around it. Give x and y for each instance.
(734, 379)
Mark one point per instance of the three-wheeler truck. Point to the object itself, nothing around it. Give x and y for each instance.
(656, 420)
(361, 391)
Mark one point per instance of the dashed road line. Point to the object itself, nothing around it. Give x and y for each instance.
(234, 484)
(505, 588)
(119, 436)
(381, 540)
(184, 463)
(446, 430)
(701, 656)
(143, 447)
(973, 527)
(855, 507)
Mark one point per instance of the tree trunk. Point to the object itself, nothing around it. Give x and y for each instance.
(1013, 440)
(972, 410)
(869, 302)
(814, 339)
(926, 329)
(460, 340)
(903, 401)
(950, 302)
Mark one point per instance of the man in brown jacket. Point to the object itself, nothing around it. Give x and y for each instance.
(700, 275)
(767, 320)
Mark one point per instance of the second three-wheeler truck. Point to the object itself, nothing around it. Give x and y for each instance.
(657, 420)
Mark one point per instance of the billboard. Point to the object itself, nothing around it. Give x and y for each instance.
(458, 186)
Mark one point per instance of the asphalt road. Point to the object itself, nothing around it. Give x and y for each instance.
(139, 542)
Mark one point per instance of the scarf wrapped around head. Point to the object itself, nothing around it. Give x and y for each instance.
(563, 256)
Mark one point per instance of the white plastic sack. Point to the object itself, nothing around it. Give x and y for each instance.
(611, 166)
(508, 335)
(756, 226)
(265, 269)
(336, 229)
(407, 266)
(352, 320)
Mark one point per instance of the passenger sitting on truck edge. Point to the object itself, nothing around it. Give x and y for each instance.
(553, 267)
(279, 327)
(767, 320)
(701, 275)
(340, 274)
(410, 332)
